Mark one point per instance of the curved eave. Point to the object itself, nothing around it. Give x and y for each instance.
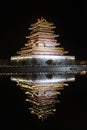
(41, 22)
(41, 25)
(43, 34)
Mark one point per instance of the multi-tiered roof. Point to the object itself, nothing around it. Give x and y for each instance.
(42, 40)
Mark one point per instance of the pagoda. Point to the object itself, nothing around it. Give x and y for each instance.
(42, 47)
(42, 40)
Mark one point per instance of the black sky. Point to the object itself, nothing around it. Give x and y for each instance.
(69, 18)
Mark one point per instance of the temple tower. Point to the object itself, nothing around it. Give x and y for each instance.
(42, 47)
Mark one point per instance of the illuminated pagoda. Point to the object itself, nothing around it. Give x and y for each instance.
(40, 52)
(43, 90)
(42, 47)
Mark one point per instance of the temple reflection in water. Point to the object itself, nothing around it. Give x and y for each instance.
(42, 90)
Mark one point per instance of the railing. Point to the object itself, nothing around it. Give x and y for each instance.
(50, 68)
(73, 66)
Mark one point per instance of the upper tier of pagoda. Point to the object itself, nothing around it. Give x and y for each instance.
(42, 40)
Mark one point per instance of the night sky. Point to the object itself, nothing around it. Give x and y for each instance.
(70, 21)
(68, 17)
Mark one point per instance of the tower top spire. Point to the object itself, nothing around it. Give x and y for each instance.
(41, 19)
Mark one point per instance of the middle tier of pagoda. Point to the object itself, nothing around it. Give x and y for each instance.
(42, 40)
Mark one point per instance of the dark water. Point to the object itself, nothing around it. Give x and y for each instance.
(70, 112)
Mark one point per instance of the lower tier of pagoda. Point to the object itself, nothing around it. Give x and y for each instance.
(43, 50)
